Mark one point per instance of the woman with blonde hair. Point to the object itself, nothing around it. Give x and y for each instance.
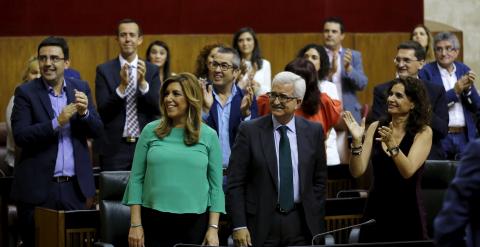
(175, 187)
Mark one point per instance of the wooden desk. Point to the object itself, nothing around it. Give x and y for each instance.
(77, 228)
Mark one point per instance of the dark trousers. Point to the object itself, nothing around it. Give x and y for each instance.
(168, 229)
(62, 196)
(288, 229)
(121, 160)
(454, 144)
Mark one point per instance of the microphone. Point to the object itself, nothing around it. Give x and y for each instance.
(369, 222)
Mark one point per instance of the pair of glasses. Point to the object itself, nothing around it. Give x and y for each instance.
(54, 59)
(398, 60)
(281, 97)
(223, 66)
(441, 49)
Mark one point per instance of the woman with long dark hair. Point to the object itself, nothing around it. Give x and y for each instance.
(397, 147)
(158, 53)
(319, 57)
(424, 37)
(259, 72)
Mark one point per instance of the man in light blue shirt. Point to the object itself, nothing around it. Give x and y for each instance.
(226, 105)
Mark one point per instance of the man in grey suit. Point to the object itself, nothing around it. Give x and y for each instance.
(346, 72)
(275, 192)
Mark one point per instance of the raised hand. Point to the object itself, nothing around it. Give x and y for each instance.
(207, 94)
(347, 60)
(81, 102)
(123, 78)
(355, 130)
(386, 136)
(67, 112)
(246, 102)
(141, 71)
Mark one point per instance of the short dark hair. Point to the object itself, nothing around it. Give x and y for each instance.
(413, 45)
(128, 20)
(55, 41)
(324, 60)
(338, 20)
(236, 56)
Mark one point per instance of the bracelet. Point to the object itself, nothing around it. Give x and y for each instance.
(393, 151)
(356, 150)
(213, 226)
(135, 225)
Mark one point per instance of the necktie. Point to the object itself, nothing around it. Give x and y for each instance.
(286, 175)
(133, 128)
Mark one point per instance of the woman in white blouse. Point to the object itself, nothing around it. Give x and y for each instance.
(259, 72)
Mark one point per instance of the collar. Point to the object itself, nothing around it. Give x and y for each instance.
(50, 88)
(123, 61)
(444, 72)
(330, 52)
(290, 125)
(233, 92)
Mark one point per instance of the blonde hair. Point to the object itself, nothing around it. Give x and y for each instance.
(32, 59)
(194, 96)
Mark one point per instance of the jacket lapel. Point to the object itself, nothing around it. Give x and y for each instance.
(69, 91)
(116, 74)
(302, 139)
(44, 98)
(268, 144)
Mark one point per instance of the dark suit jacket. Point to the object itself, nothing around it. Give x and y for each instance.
(112, 108)
(470, 101)
(439, 120)
(252, 179)
(33, 132)
(235, 115)
(459, 219)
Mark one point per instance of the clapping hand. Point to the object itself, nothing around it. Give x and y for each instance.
(347, 60)
(356, 130)
(207, 89)
(247, 102)
(141, 71)
(81, 102)
(386, 136)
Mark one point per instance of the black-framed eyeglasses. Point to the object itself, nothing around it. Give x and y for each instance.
(223, 66)
(54, 59)
(281, 97)
(398, 60)
(447, 49)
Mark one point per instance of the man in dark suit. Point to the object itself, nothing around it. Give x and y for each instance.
(409, 60)
(463, 101)
(52, 118)
(277, 173)
(127, 98)
(458, 223)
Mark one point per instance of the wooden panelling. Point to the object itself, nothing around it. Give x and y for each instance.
(86, 52)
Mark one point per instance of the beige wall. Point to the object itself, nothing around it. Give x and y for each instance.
(463, 15)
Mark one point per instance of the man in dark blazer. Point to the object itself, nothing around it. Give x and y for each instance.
(52, 118)
(112, 82)
(458, 223)
(409, 60)
(226, 105)
(277, 173)
(463, 101)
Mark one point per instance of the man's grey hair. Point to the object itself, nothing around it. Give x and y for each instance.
(448, 36)
(297, 81)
